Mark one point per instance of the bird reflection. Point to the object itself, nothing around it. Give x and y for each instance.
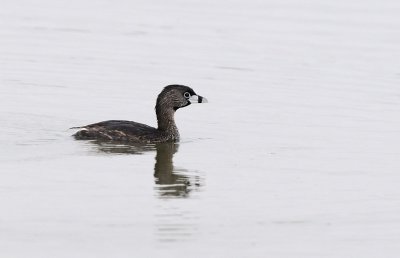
(171, 182)
(121, 148)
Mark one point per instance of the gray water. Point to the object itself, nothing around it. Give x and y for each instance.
(296, 155)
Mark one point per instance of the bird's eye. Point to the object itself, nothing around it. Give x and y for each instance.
(186, 95)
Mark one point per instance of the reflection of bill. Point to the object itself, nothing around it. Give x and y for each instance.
(172, 182)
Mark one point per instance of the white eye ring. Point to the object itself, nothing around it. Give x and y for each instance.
(186, 95)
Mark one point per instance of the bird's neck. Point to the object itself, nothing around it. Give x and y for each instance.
(166, 124)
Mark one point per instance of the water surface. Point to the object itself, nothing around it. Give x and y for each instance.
(296, 155)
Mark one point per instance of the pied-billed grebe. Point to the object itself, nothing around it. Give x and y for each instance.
(169, 100)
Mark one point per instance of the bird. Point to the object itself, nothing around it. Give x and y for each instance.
(171, 98)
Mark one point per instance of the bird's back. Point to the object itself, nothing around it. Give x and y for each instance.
(118, 130)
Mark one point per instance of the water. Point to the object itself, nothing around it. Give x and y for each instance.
(296, 155)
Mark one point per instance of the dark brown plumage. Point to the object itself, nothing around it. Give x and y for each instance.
(169, 100)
